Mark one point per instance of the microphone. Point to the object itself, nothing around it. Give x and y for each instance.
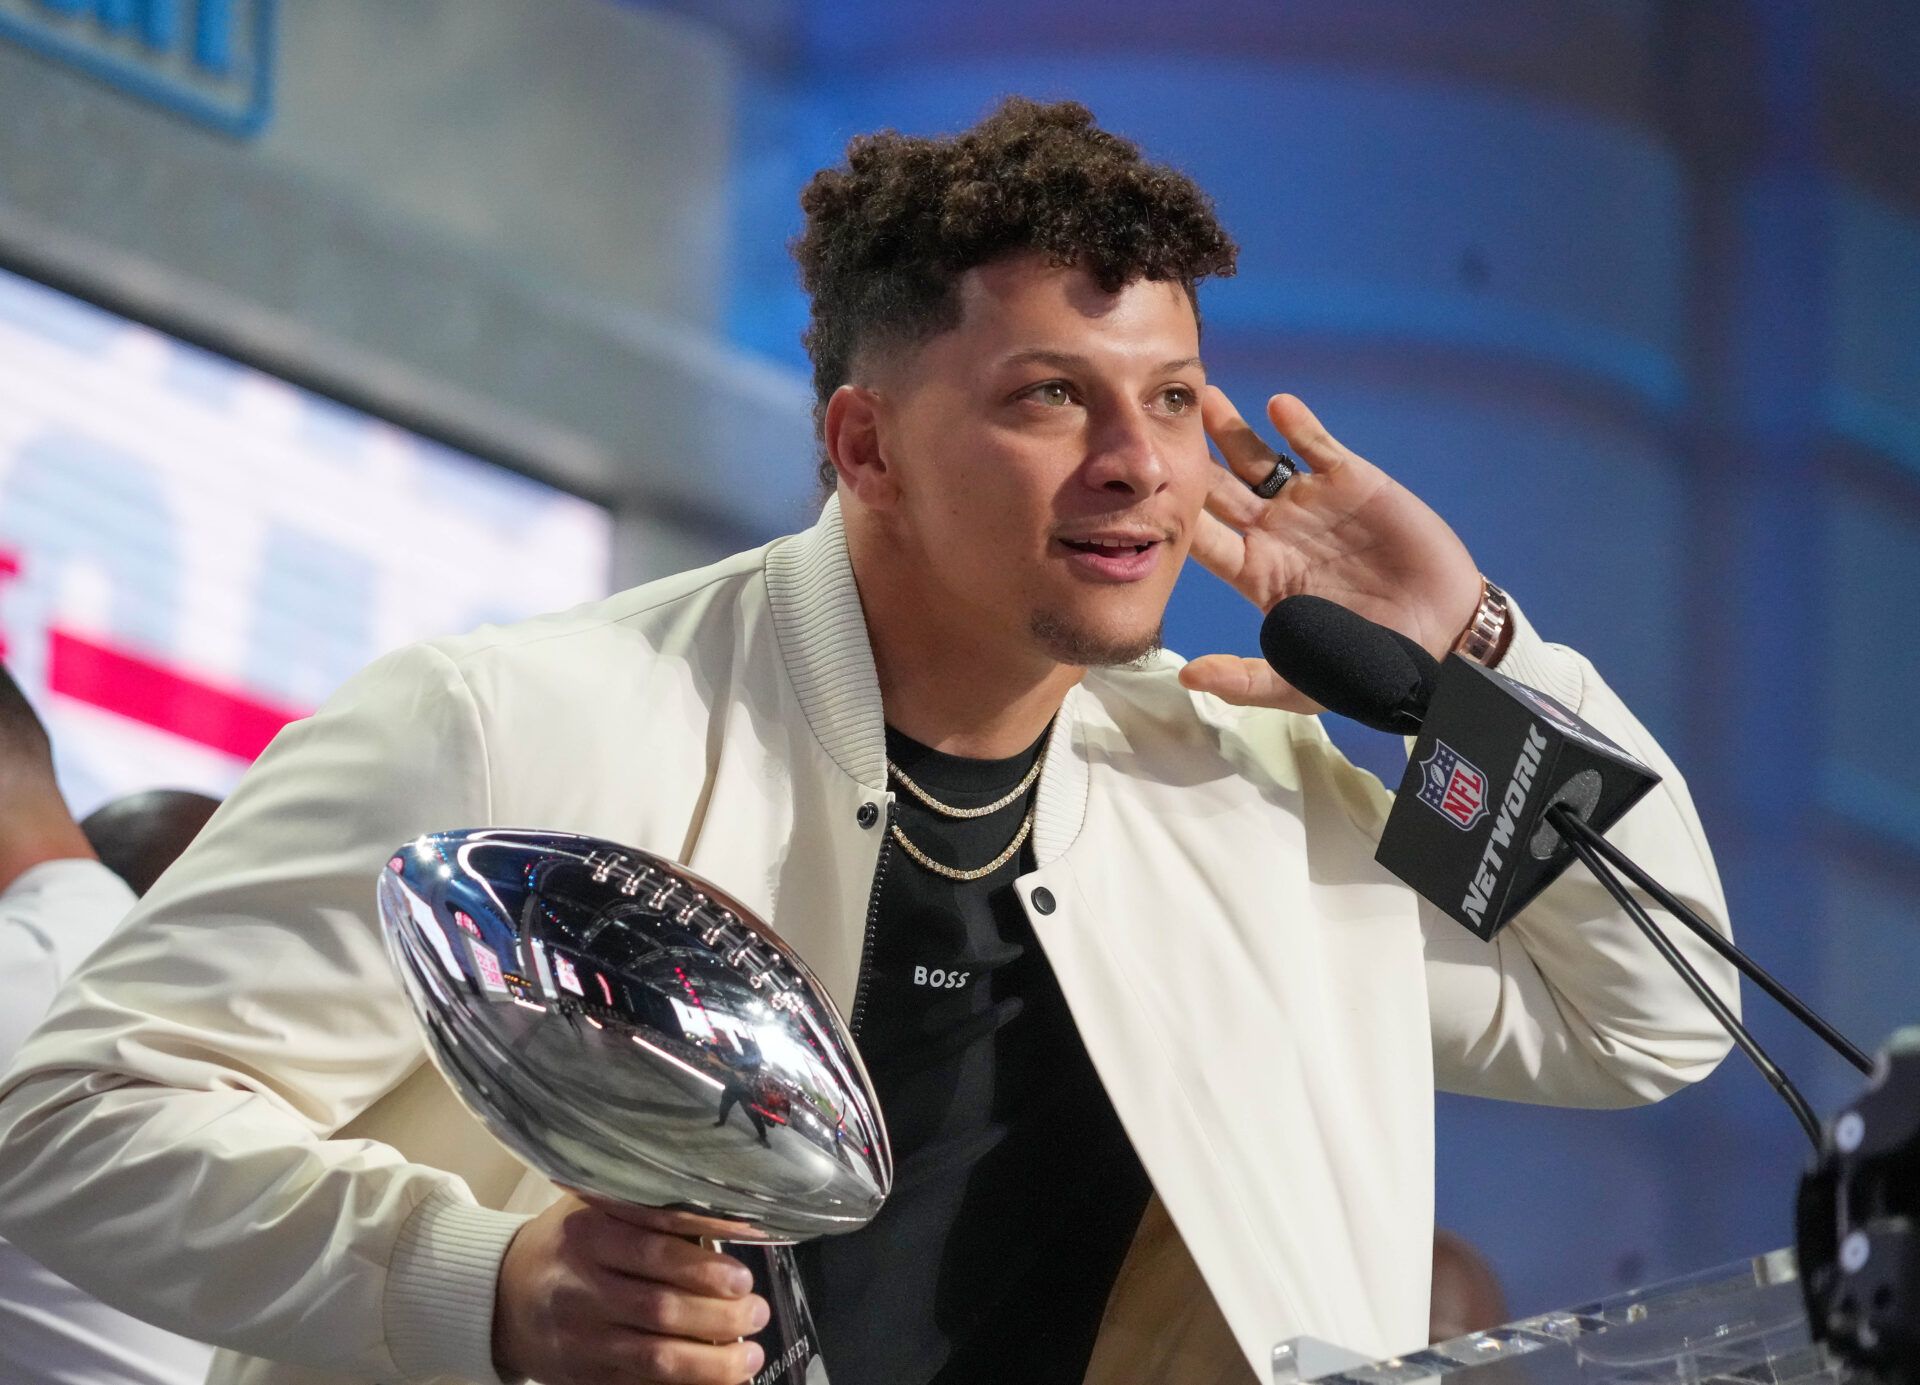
(1469, 828)
(1369, 673)
(1481, 857)
(1857, 1230)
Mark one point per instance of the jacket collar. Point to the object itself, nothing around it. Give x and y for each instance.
(822, 631)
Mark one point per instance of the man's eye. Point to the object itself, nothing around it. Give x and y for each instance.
(1177, 399)
(1051, 392)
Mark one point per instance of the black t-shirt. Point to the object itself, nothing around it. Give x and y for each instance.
(1016, 1193)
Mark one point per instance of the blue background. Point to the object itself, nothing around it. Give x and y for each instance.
(1631, 293)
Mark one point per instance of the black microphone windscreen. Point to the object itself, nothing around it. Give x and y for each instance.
(1349, 664)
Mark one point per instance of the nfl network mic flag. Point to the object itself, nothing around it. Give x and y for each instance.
(1467, 830)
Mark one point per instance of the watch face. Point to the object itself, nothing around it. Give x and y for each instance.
(632, 1031)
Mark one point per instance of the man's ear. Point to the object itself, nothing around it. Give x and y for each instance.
(852, 436)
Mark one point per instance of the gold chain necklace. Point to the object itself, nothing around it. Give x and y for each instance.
(948, 810)
(1019, 838)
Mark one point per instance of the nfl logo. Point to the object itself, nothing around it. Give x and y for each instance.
(1453, 787)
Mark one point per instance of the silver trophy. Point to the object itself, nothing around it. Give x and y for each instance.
(631, 1031)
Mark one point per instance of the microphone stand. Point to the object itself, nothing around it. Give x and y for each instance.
(1579, 842)
(1571, 826)
(1853, 1195)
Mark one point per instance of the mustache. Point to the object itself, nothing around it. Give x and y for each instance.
(1116, 526)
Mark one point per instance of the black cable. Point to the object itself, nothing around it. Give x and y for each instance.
(1569, 824)
(1790, 1094)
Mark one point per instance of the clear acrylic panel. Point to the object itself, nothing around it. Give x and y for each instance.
(1740, 1324)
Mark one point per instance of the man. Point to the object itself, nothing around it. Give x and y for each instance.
(139, 835)
(929, 737)
(57, 902)
(1466, 1292)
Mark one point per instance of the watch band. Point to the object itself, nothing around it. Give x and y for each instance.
(1485, 638)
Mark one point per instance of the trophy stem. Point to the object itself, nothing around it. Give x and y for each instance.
(791, 1345)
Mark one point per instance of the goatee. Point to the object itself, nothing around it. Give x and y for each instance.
(1071, 644)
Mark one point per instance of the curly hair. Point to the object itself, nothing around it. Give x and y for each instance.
(889, 234)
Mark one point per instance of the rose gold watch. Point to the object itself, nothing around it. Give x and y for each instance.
(1486, 636)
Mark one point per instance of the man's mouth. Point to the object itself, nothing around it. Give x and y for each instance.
(1109, 546)
(1121, 557)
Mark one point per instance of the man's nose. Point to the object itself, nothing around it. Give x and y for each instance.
(1123, 455)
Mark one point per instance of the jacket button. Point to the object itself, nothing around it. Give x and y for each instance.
(868, 815)
(1043, 900)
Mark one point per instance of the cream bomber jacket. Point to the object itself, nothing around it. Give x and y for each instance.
(227, 1124)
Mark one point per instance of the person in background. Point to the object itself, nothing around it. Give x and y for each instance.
(57, 903)
(138, 836)
(1466, 1293)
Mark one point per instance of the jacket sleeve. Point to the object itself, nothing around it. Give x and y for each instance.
(166, 1136)
(1569, 1004)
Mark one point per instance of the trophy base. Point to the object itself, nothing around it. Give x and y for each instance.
(791, 1345)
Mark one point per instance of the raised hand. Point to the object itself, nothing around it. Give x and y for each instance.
(1344, 530)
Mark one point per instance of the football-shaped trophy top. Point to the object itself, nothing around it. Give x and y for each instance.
(631, 1031)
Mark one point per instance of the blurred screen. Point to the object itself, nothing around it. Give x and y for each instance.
(194, 552)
